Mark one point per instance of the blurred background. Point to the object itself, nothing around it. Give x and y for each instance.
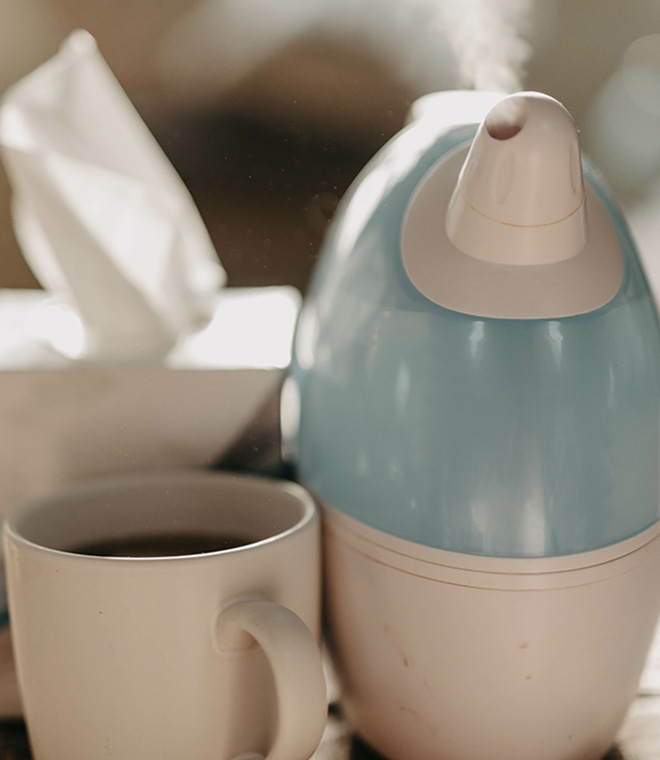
(269, 108)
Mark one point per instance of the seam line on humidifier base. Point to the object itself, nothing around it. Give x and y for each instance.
(372, 542)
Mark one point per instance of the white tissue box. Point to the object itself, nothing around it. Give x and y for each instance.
(64, 421)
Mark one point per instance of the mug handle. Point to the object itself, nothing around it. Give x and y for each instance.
(295, 660)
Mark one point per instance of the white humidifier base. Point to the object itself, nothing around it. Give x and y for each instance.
(448, 656)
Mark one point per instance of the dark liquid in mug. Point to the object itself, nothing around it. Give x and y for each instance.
(161, 545)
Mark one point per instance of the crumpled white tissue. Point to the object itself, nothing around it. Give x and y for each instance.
(104, 221)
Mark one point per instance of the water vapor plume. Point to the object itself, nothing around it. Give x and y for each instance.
(488, 40)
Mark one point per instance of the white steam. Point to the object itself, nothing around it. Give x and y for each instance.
(489, 41)
(430, 44)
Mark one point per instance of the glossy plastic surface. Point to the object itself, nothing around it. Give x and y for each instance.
(520, 438)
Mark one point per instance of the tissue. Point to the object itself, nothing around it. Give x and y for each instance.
(103, 220)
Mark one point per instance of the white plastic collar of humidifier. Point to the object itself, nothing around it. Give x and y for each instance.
(522, 238)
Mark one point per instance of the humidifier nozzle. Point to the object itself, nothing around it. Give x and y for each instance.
(520, 196)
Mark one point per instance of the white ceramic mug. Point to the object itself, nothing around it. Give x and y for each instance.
(209, 656)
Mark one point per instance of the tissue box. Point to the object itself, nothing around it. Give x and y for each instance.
(64, 421)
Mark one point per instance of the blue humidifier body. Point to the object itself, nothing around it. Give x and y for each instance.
(474, 398)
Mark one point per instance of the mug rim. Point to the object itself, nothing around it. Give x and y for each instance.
(161, 479)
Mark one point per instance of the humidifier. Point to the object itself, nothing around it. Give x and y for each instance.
(475, 401)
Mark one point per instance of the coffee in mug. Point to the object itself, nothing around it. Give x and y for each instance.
(161, 545)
